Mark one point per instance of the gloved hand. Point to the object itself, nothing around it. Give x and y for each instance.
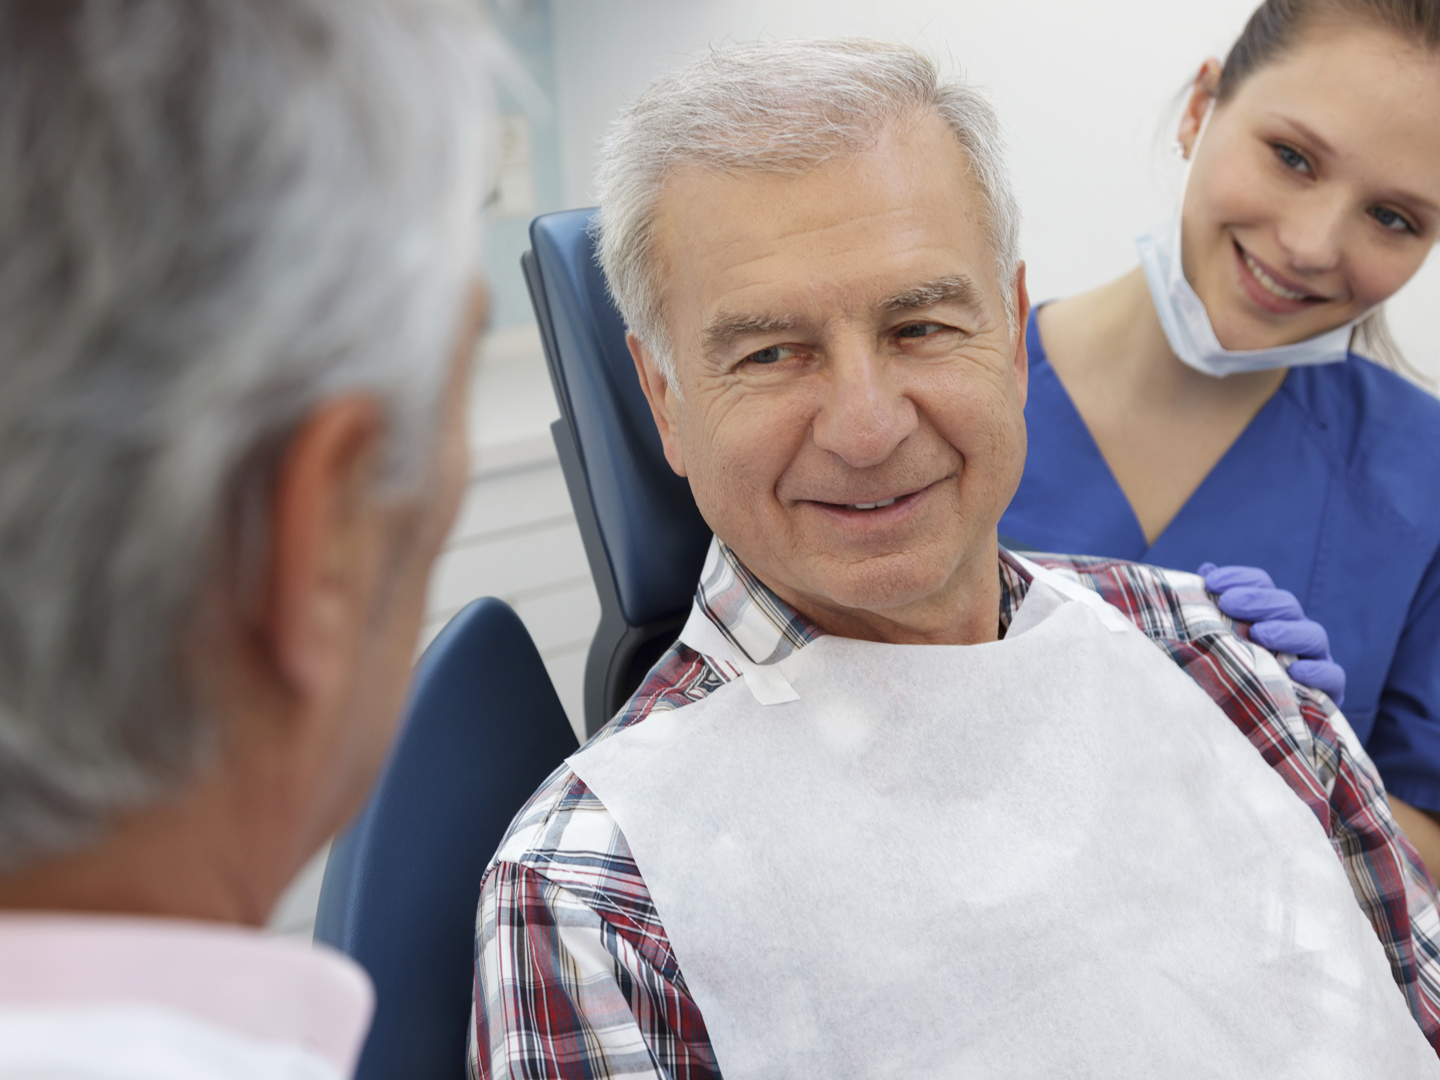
(1278, 623)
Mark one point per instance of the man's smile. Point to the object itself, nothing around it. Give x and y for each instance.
(871, 511)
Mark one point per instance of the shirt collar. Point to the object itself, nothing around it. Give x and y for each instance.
(765, 629)
(254, 984)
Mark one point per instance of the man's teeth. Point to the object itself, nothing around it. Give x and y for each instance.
(1271, 285)
(872, 506)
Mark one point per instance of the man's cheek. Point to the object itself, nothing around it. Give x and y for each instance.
(704, 468)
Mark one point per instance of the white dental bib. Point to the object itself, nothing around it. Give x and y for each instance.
(1050, 856)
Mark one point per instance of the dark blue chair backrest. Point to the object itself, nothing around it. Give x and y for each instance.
(482, 730)
(643, 534)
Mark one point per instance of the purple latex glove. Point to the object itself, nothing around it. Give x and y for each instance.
(1277, 622)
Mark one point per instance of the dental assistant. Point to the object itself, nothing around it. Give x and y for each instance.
(1208, 406)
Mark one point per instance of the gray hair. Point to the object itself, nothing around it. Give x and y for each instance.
(783, 107)
(213, 216)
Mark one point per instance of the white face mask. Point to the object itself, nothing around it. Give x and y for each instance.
(1187, 324)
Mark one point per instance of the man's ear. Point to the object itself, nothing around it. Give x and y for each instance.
(663, 401)
(1202, 96)
(1022, 327)
(327, 548)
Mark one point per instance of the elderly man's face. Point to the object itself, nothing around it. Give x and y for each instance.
(850, 405)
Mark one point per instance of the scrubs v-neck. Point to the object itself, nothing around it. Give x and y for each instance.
(1333, 489)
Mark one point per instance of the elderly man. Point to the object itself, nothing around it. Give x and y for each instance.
(238, 298)
(900, 802)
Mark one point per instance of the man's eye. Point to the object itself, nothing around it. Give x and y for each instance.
(1291, 158)
(773, 355)
(919, 330)
(1393, 221)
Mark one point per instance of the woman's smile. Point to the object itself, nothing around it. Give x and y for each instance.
(1271, 290)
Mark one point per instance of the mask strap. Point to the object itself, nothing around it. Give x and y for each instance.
(1194, 151)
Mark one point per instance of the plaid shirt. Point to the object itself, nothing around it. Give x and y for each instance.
(575, 976)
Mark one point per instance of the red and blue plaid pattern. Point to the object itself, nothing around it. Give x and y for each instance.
(575, 977)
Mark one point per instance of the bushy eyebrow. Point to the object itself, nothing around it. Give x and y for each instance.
(723, 330)
(957, 289)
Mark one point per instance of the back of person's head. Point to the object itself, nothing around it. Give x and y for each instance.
(782, 107)
(213, 216)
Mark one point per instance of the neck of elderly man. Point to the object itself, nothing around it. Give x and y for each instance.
(848, 381)
(964, 610)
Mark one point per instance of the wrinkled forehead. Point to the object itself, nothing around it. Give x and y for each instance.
(841, 238)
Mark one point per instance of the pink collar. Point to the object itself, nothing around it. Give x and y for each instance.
(258, 985)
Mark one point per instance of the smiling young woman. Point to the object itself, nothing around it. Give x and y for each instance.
(1207, 404)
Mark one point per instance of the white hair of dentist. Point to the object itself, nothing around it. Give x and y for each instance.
(213, 216)
(777, 107)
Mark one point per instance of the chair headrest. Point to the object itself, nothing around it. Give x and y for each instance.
(655, 539)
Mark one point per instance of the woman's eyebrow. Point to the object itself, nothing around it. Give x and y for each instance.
(1411, 199)
(1309, 134)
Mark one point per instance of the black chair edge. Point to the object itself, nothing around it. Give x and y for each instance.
(620, 654)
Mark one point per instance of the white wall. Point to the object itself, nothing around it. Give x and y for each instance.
(1086, 88)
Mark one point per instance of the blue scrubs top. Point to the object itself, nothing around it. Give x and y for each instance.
(1334, 489)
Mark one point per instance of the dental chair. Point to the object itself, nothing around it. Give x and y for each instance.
(482, 730)
(644, 537)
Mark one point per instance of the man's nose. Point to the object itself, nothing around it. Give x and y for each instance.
(865, 414)
(1312, 233)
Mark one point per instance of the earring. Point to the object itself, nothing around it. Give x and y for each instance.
(1179, 149)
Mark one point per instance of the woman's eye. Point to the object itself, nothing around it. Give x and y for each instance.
(1291, 158)
(1391, 220)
